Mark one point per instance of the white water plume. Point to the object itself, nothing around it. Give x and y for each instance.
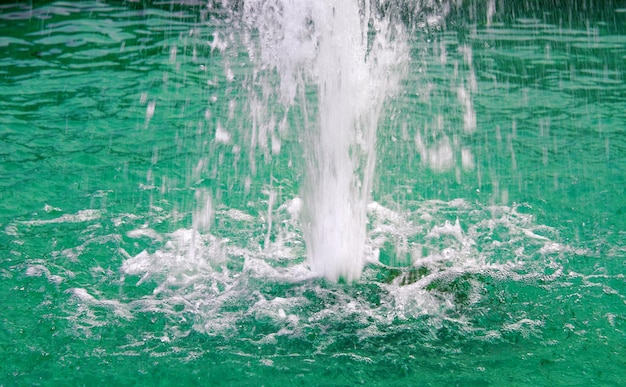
(353, 58)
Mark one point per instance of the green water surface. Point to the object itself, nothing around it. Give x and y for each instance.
(501, 262)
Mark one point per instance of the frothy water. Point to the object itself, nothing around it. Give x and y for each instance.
(225, 284)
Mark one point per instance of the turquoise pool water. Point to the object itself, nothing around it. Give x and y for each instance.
(149, 220)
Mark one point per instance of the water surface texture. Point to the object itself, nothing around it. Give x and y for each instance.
(281, 193)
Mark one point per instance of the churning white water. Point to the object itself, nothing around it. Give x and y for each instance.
(351, 57)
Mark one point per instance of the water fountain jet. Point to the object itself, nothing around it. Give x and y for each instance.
(353, 57)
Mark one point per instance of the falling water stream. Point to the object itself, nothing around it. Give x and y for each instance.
(319, 193)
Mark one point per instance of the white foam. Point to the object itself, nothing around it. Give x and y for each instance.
(80, 216)
(525, 326)
(48, 208)
(41, 270)
(118, 308)
(239, 215)
(147, 232)
(231, 281)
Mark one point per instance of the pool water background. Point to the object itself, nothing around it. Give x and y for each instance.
(507, 198)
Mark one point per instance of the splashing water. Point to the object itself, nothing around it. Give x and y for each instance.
(186, 189)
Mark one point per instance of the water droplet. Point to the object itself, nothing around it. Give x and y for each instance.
(150, 110)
